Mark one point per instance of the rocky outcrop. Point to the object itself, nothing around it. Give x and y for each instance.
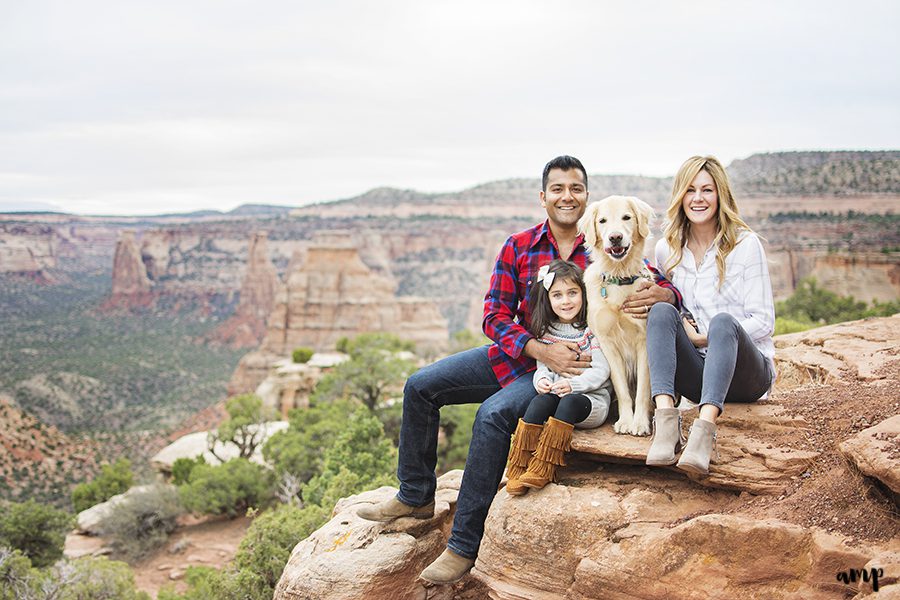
(130, 284)
(336, 295)
(876, 453)
(195, 444)
(779, 515)
(247, 326)
(748, 460)
(333, 295)
(857, 350)
(351, 558)
(28, 249)
(289, 384)
(716, 556)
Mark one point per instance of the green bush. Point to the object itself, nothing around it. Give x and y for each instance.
(267, 545)
(818, 306)
(374, 368)
(183, 467)
(142, 521)
(37, 530)
(230, 488)
(302, 354)
(244, 425)
(360, 455)
(299, 449)
(86, 578)
(17, 578)
(100, 579)
(785, 325)
(113, 479)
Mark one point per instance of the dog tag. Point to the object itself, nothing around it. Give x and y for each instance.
(603, 292)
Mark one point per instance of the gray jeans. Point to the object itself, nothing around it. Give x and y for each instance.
(733, 368)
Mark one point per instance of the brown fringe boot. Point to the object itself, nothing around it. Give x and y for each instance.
(524, 441)
(555, 441)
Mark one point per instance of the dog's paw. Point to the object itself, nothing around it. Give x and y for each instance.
(640, 426)
(623, 425)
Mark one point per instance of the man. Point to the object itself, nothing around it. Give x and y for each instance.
(498, 376)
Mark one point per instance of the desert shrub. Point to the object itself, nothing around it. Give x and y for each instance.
(86, 578)
(183, 467)
(98, 578)
(267, 546)
(299, 449)
(373, 369)
(360, 454)
(302, 354)
(227, 489)
(785, 325)
(244, 425)
(17, 578)
(37, 530)
(812, 304)
(142, 521)
(113, 479)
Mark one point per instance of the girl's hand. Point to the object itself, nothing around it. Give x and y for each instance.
(698, 339)
(542, 386)
(561, 387)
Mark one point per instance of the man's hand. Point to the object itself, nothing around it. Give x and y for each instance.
(638, 304)
(563, 358)
(561, 387)
(542, 386)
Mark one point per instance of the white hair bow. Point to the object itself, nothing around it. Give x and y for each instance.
(544, 275)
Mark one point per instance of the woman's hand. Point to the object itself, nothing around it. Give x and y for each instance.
(542, 386)
(561, 387)
(698, 339)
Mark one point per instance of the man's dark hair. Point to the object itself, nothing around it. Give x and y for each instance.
(564, 163)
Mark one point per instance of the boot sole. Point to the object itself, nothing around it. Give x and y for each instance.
(389, 519)
(692, 469)
(659, 463)
(447, 582)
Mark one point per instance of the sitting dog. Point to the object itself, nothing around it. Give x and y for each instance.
(615, 230)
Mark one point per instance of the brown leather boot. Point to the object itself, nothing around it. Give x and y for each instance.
(524, 441)
(555, 441)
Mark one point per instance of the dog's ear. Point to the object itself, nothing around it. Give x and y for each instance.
(645, 216)
(587, 225)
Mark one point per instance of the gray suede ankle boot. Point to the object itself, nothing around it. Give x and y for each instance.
(701, 441)
(667, 438)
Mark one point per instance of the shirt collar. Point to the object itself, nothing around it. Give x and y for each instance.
(545, 233)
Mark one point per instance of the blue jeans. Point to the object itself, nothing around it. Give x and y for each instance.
(733, 369)
(462, 378)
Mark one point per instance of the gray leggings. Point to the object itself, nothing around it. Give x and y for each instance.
(733, 369)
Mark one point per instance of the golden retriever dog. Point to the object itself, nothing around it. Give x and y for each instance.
(615, 231)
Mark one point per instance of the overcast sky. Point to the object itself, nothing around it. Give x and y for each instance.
(128, 107)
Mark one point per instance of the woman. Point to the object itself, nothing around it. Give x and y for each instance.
(723, 351)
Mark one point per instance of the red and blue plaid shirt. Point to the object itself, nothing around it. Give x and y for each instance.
(506, 308)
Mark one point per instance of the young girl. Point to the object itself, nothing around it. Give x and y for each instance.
(558, 314)
(720, 267)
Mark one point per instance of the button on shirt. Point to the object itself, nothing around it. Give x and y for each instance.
(746, 294)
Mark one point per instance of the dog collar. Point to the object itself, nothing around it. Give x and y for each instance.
(613, 280)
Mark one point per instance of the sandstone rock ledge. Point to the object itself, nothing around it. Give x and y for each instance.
(613, 528)
(350, 557)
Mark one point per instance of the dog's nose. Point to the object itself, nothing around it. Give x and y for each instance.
(615, 239)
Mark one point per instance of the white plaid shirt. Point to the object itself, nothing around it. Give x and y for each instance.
(746, 294)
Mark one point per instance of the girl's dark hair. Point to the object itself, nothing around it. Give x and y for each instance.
(542, 315)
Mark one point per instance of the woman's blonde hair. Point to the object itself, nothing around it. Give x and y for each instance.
(729, 224)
